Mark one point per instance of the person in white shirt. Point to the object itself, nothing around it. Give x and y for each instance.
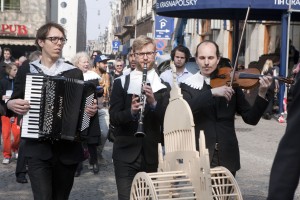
(180, 55)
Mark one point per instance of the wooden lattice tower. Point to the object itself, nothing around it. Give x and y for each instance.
(183, 172)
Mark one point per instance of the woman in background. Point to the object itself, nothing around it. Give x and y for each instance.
(82, 61)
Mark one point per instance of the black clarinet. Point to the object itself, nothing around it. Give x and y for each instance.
(140, 130)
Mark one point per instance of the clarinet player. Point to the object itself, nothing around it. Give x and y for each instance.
(51, 163)
(133, 154)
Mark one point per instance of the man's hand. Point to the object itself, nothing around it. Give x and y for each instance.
(135, 104)
(265, 82)
(223, 91)
(4, 97)
(19, 106)
(91, 109)
(149, 94)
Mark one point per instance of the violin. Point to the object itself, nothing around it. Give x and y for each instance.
(245, 79)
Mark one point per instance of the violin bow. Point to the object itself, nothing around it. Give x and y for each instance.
(239, 47)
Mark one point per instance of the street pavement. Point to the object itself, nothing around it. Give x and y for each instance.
(258, 145)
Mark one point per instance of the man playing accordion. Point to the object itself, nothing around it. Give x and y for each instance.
(51, 163)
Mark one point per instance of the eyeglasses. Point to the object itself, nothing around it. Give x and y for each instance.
(95, 55)
(142, 54)
(119, 65)
(54, 40)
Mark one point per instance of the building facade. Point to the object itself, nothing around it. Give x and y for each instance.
(260, 37)
(21, 19)
(19, 22)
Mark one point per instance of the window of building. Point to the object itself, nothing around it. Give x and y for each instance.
(11, 5)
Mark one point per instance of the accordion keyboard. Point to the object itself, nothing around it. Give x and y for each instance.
(33, 94)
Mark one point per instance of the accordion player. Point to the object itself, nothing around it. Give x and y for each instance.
(56, 104)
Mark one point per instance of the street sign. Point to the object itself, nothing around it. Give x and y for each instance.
(161, 44)
(160, 52)
(115, 45)
(164, 27)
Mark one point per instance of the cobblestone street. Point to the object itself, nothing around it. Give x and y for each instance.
(258, 145)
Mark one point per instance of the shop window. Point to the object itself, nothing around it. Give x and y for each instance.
(11, 4)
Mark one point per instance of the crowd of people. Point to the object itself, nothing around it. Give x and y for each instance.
(127, 98)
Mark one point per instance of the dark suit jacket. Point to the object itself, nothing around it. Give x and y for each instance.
(93, 133)
(5, 84)
(69, 152)
(285, 171)
(127, 147)
(216, 119)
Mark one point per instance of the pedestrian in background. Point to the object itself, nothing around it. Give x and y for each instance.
(118, 71)
(9, 124)
(131, 62)
(7, 58)
(100, 67)
(180, 56)
(82, 61)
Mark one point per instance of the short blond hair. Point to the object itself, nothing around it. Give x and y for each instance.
(141, 41)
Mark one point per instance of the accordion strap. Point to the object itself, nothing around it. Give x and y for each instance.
(38, 69)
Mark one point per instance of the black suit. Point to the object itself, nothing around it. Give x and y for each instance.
(285, 171)
(49, 162)
(132, 154)
(215, 116)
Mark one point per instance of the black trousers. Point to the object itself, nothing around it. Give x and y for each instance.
(93, 153)
(21, 162)
(50, 179)
(216, 162)
(125, 172)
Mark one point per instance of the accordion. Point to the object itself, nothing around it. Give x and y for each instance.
(57, 107)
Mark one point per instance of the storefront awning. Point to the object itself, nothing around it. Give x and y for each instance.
(23, 42)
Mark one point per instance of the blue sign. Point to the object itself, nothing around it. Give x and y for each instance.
(115, 45)
(164, 27)
(227, 9)
(160, 52)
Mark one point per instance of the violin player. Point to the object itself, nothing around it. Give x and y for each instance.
(214, 109)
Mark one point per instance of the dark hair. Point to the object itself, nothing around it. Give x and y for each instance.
(182, 49)
(96, 51)
(7, 49)
(43, 31)
(208, 41)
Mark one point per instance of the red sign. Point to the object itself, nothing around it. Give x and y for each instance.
(161, 44)
(13, 29)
